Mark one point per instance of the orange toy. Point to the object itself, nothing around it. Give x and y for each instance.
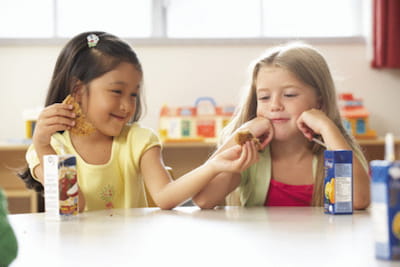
(355, 117)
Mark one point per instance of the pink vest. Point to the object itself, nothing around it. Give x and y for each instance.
(280, 194)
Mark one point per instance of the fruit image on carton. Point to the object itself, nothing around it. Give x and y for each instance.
(338, 182)
(61, 186)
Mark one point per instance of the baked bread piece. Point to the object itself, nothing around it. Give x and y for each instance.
(82, 126)
(243, 136)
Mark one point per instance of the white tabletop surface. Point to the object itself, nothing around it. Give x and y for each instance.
(188, 236)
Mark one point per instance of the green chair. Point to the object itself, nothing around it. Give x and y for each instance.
(8, 241)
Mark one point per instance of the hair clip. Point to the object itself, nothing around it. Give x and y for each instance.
(92, 40)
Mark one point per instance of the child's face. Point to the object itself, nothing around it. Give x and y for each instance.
(282, 98)
(111, 101)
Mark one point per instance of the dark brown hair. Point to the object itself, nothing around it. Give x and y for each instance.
(79, 62)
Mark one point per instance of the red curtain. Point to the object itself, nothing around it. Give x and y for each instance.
(386, 34)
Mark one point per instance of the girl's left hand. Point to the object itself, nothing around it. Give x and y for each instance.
(312, 122)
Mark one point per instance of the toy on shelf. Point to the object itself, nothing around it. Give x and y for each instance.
(355, 117)
(201, 122)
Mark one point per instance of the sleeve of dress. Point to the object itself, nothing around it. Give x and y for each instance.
(32, 157)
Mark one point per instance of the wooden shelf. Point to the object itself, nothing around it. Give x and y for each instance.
(12, 160)
(181, 156)
(23, 194)
(377, 141)
(13, 147)
(189, 144)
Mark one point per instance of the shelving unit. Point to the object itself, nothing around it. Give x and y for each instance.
(374, 149)
(20, 199)
(182, 157)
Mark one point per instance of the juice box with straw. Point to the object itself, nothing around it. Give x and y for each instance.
(338, 183)
(385, 208)
(60, 186)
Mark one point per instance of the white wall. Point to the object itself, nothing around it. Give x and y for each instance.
(177, 75)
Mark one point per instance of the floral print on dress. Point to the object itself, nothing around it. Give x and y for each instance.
(107, 195)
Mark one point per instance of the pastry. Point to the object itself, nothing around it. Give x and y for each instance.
(243, 136)
(82, 126)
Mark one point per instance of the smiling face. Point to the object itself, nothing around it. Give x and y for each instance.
(111, 99)
(282, 98)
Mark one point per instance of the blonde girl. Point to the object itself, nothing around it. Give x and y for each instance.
(290, 101)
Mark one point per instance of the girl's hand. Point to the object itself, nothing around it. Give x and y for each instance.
(235, 159)
(313, 122)
(261, 128)
(54, 118)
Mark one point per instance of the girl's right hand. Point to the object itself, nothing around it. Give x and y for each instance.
(235, 159)
(54, 118)
(261, 128)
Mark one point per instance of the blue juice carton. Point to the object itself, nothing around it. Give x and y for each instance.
(338, 183)
(385, 208)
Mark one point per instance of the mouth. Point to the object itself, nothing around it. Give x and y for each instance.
(118, 117)
(279, 120)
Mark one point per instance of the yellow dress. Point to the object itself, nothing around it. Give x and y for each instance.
(116, 184)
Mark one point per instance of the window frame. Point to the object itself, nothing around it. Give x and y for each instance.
(159, 31)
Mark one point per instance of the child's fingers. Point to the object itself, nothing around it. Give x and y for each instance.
(307, 131)
(230, 154)
(57, 114)
(249, 155)
(42, 135)
(56, 128)
(238, 158)
(267, 138)
(58, 121)
(253, 153)
(54, 118)
(60, 110)
(49, 126)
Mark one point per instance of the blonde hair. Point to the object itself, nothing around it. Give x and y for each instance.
(310, 67)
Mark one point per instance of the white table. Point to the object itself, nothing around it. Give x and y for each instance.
(188, 236)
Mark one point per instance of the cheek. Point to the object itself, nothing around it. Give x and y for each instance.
(299, 109)
(132, 107)
(261, 110)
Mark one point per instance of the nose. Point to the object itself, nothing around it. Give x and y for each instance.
(125, 105)
(276, 104)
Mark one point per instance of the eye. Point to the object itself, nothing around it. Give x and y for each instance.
(134, 95)
(266, 97)
(291, 95)
(116, 91)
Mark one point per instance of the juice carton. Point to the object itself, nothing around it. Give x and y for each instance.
(385, 209)
(30, 116)
(60, 186)
(338, 184)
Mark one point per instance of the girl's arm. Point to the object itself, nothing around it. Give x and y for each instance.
(315, 121)
(54, 118)
(168, 193)
(214, 193)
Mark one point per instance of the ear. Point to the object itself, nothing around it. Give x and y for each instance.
(77, 90)
(319, 103)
